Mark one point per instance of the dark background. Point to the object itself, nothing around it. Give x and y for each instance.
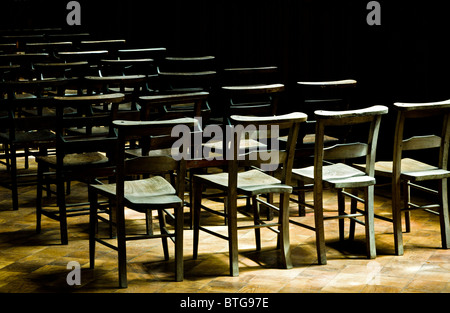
(404, 59)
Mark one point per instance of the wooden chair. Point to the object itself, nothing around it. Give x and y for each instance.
(142, 195)
(335, 95)
(26, 134)
(340, 176)
(159, 107)
(422, 132)
(79, 157)
(252, 182)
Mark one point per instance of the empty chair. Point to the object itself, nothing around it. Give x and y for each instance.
(252, 182)
(144, 195)
(23, 132)
(321, 95)
(420, 163)
(82, 157)
(343, 178)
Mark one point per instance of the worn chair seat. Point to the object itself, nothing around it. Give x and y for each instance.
(249, 182)
(30, 137)
(152, 191)
(76, 159)
(336, 175)
(412, 170)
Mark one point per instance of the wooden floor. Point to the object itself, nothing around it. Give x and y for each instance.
(32, 263)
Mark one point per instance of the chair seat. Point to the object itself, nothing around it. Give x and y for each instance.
(337, 176)
(30, 137)
(250, 182)
(154, 191)
(412, 170)
(76, 159)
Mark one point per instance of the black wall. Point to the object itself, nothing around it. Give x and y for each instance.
(404, 59)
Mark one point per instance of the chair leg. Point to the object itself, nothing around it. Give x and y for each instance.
(397, 218)
(319, 226)
(369, 222)
(406, 200)
(353, 206)
(444, 215)
(149, 222)
(341, 211)
(61, 200)
(284, 231)
(162, 227)
(93, 224)
(121, 247)
(301, 198)
(14, 183)
(40, 181)
(197, 201)
(179, 225)
(233, 237)
(256, 220)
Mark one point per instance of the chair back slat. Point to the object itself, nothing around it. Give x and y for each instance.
(345, 151)
(422, 142)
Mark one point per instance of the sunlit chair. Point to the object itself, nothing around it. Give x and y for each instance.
(340, 176)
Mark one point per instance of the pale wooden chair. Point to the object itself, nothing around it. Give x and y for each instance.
(331, 95)
(251, 183)
(142, 195)
(340, 176)
(409, 170)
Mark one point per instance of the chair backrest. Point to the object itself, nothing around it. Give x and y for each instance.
(186, 73)
(333, 95)
(48, 47)
(426, 126)
(370, 116)
(25, 102)
(248, 96)
(158, 107)
(112, 45)
(84, 117)
(61, 69)
(143, 66)
(238, 76)
(270, 157)
(148, 164)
